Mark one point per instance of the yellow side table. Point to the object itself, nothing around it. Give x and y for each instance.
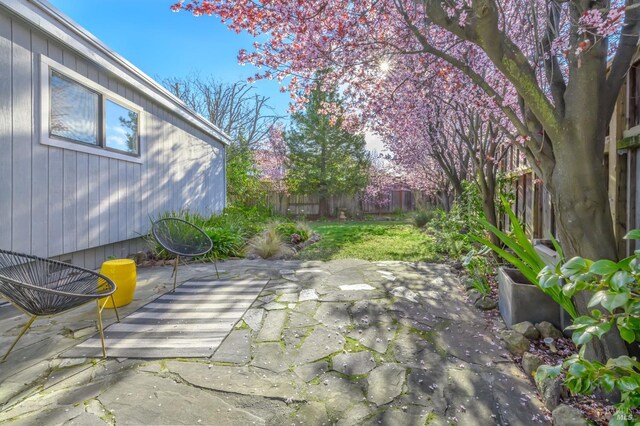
(123, 273)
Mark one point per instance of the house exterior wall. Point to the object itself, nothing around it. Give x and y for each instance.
(86, 206)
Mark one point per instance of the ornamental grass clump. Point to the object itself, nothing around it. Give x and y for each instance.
(269, 244)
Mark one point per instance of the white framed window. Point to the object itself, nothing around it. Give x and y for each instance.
(79, 114)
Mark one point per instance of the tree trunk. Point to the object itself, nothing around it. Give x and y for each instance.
(488, 192)
(580, 196)
(323, 205)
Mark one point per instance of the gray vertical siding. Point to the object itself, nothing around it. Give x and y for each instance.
(67, 204)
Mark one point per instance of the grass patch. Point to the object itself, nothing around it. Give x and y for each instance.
(370, 241)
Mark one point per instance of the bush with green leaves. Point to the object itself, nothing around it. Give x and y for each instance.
(286, 230)
(453, 230)
(229, 231)
(479, 266)
(616, 303)
(422, 217)
(227, 242)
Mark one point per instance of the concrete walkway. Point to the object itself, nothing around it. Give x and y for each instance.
(344, 342)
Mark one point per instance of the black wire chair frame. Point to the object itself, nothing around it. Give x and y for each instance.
(182, 239)
(42, 287)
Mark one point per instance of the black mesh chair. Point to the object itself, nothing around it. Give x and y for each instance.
(183, 239)
(43, 287)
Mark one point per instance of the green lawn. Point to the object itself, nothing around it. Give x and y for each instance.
(370, 241)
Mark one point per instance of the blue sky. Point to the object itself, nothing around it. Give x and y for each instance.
(166, 44)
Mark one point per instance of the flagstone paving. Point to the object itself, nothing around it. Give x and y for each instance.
(345, 342)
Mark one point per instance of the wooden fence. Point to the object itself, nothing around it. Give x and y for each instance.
(309, 205)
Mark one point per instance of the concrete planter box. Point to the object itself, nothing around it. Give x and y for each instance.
(547, 253)
(519, 300)
(550, 257)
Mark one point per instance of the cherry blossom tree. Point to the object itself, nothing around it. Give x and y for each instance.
(553, 67)
(542, 62)
(271, 158)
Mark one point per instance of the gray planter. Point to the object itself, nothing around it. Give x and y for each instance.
(550, 257)
(547, 253)
(519, 300)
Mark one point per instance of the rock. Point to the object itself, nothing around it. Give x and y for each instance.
(527, 330)
(269, 356)
(313, 413)
(547, 329)
(485, 304)
(354, 364)
(564, 415)
(385, 383)
(253, 318)
(405, 293)
(308, 294)
(468, 283)
(319, 344)
(272, 328)
(71, 362)
(376, 336)
(309, 372)
(288, 298)
(474, 296)
(516, 343)
(235, 349)
(530, 363)
(274, 306)
(550, 390)
(140, 257)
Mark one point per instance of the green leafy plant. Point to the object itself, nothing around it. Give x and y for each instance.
(616, 290)
(227, 242)
(452, 231)
(287, 229)
(525, 258)
(422, 217)
(479, 266)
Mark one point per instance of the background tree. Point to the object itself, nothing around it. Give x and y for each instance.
(553, 67)
(324, 158)
(243, 114)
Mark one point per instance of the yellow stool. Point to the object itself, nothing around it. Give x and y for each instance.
(123, 273)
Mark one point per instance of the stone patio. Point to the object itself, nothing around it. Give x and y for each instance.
(345, 342)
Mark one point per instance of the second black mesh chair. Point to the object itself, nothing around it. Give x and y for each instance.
(183, 239)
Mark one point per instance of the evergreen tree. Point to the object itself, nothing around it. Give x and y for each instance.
(324, 158)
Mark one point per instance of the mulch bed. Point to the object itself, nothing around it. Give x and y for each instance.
(596, 410)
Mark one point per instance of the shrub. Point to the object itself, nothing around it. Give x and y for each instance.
(227, 242)
(452, 230)
(269, 244)
(287, 229)
(615, 287)
(422, 217)
(479, 267)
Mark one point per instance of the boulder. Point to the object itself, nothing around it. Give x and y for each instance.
(564, 415)
(468, 283)
(547, 329)
(550, 389)
(474, 296)
(515, 342)
(530, 363)
(527, 329)
(485, 304)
